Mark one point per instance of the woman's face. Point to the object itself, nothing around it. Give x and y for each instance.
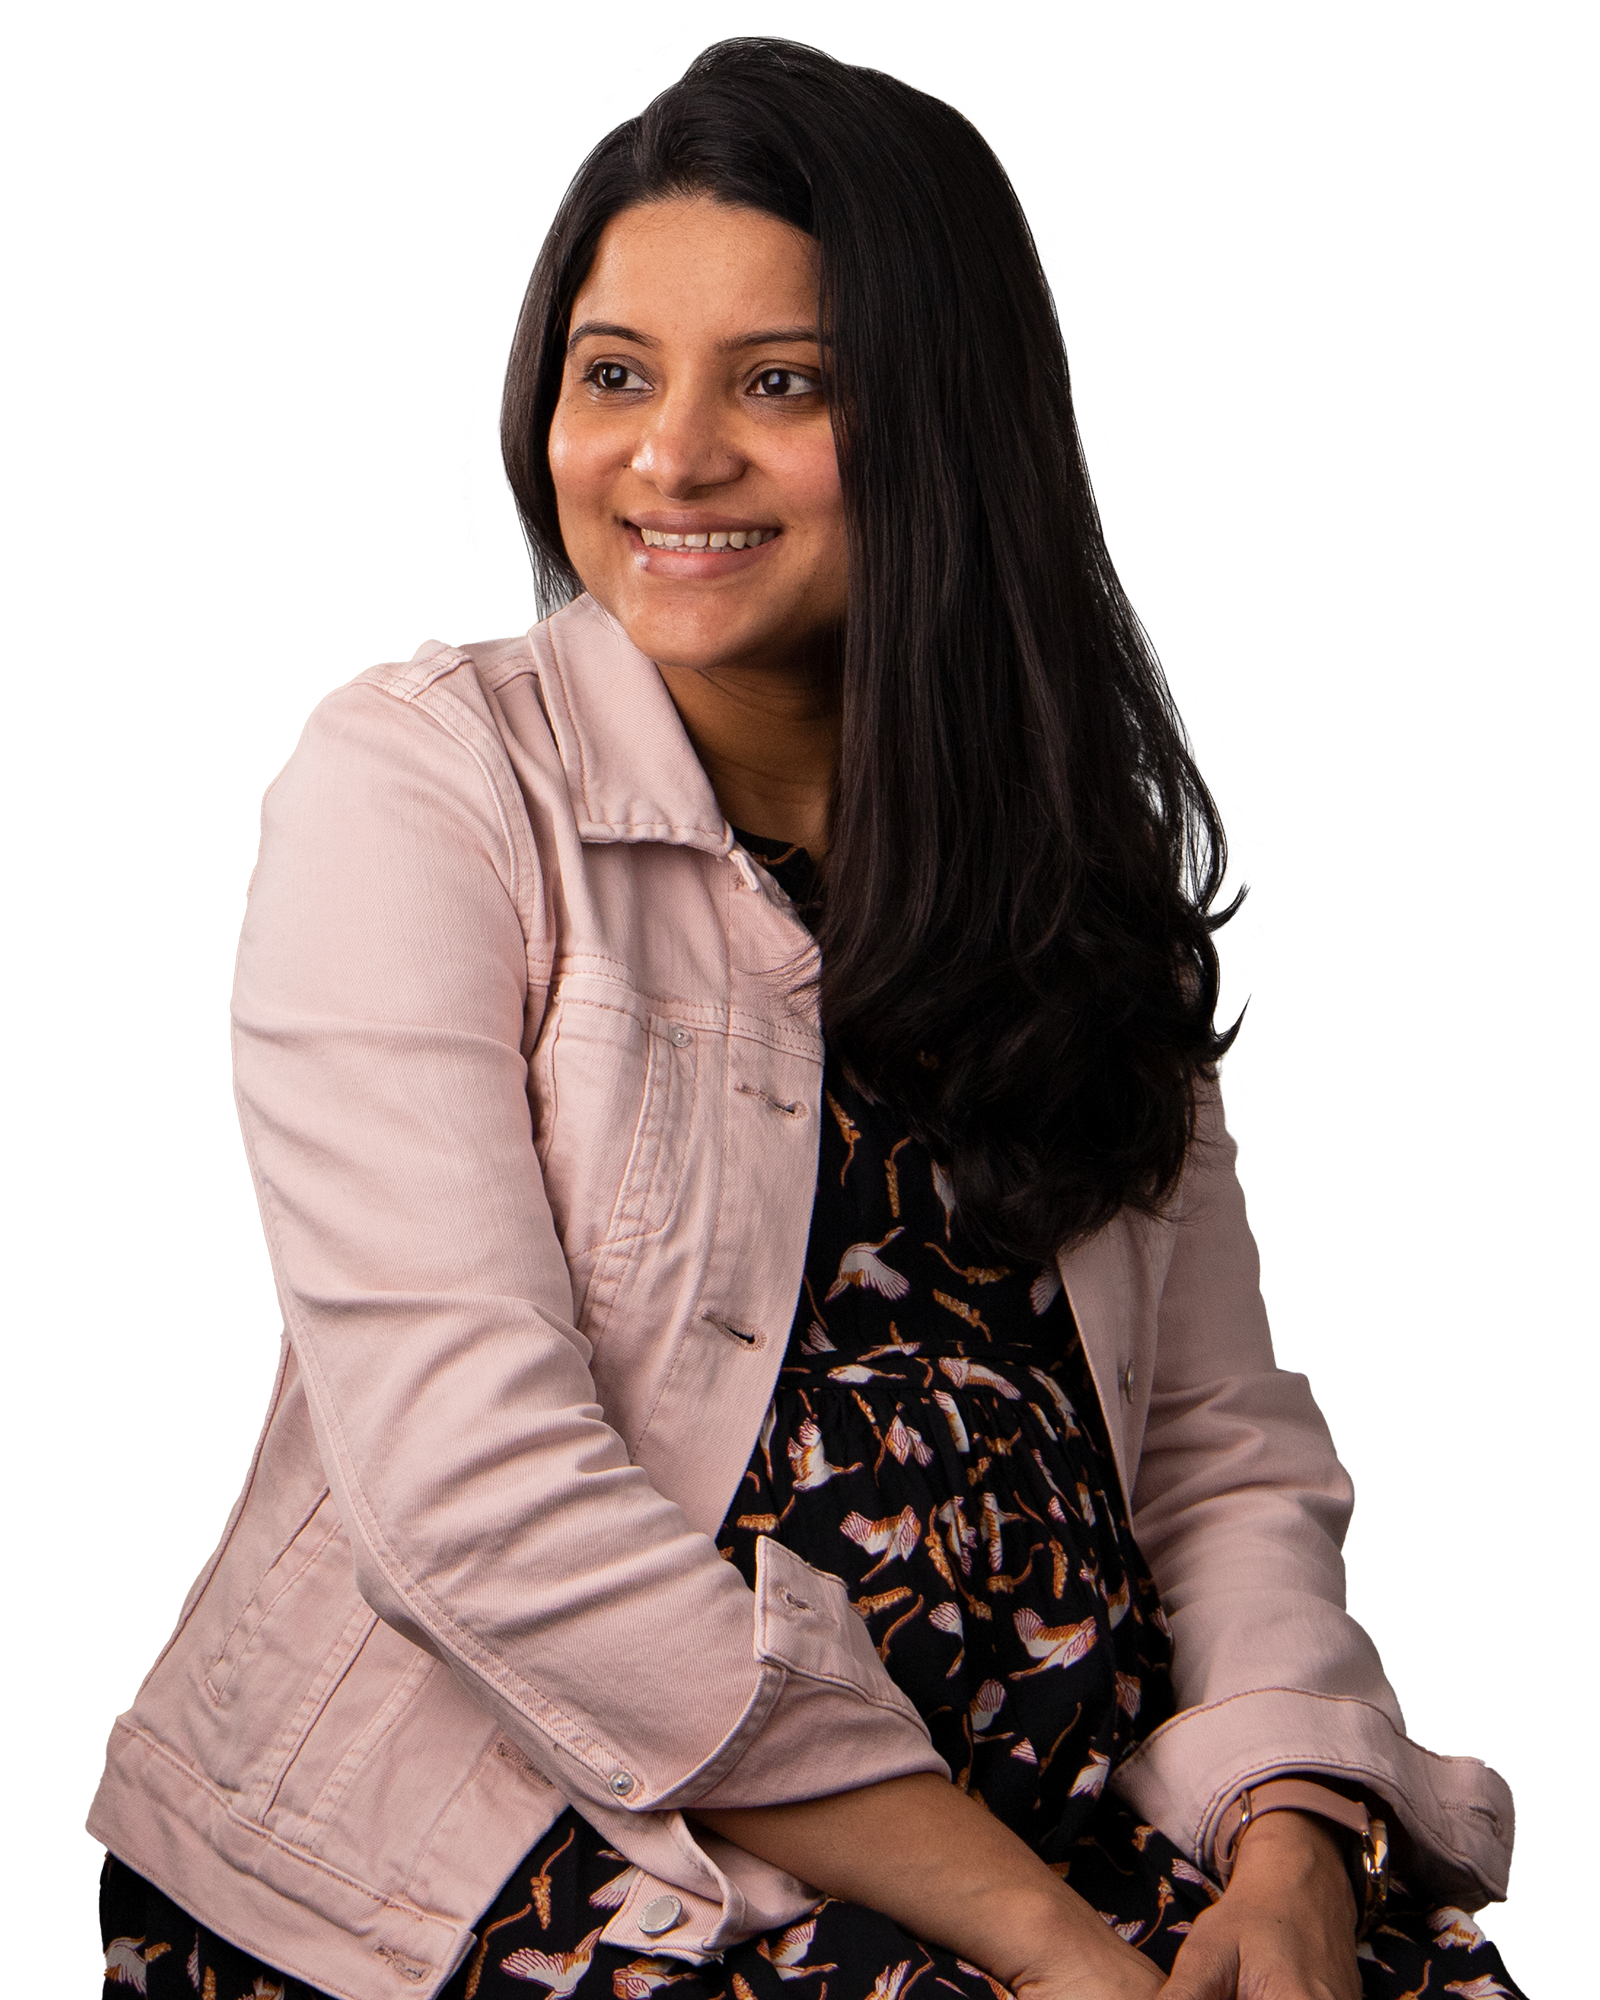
(692, 421)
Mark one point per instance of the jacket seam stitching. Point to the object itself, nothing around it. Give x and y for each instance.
(716, 1227)
(279, 1756)
(450, 713)
(254, 1601)
(1186, 1715)
(288, 1848)
(395, 1706)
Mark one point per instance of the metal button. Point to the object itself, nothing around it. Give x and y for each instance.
(679, 1035)
(1127, 1381)
(665, 1913)
(622, 1783)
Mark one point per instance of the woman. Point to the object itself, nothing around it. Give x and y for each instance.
(777, 1475)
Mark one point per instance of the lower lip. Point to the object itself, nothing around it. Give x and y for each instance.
(695, 563)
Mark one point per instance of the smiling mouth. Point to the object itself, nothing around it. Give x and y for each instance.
(708, 538)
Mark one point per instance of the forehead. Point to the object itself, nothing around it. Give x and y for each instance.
(686, 266)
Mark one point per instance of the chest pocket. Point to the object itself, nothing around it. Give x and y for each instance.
(613, 1097)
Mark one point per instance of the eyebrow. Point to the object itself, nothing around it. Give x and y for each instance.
(770, 336)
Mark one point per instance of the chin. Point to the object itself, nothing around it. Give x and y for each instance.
(695, 643)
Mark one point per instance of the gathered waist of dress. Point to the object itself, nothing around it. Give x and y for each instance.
(1013, 1371)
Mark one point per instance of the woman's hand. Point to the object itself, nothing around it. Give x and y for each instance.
(1075, 1964)
(1286, 1926)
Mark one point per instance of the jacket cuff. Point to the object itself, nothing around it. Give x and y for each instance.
(700, 1895)
(1452, 1817)
(835, 1720)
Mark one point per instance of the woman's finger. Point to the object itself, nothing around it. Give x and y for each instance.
(1205, 1969)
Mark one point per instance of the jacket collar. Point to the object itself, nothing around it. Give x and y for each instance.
(631, 770)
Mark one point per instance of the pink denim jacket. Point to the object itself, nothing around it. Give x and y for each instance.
(529, 1078)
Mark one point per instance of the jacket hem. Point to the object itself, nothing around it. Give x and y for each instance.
(275, 1901)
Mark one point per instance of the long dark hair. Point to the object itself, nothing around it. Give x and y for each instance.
(1017, 940)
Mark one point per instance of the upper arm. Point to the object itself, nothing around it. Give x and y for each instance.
(1240, 1503)
(383, 1009)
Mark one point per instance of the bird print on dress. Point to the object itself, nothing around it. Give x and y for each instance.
(1091, 1780)
(950, 1409)
(891, 1540)
(128, 1961)
(892, 1982)
(965, 1372)
(945, 1191)
(904, 1442)
(1042, 1292)
(808, 1459)
(787, 1952)
(1054, 1645)
(959, 1532)
(613, 1894)
(646, 1976)
(861, 1266)
(1454, 1927)
(557, 1971)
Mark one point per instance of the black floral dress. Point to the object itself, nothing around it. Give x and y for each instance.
(935, 1439)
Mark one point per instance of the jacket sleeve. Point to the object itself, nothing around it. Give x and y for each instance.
(1240, 1506)
(390, 985)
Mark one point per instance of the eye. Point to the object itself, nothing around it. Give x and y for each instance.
(784, 384)
(613, 376)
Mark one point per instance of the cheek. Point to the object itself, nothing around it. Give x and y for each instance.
(810, 475)
(578, 471)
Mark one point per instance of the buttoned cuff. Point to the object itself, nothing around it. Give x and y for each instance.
(831, 1720)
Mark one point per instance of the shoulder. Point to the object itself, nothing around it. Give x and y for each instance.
(420, 749)
(544, 704)
(456, 688)
(446, 708)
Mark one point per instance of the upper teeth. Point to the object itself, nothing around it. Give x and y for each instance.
(708, 538)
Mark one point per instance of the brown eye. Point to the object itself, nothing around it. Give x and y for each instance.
(781, 384)
(613, 375)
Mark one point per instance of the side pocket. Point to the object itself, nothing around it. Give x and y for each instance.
(288, 1569)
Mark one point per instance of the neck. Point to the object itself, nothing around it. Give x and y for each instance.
(768, 738)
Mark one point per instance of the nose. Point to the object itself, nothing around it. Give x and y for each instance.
(685, 447)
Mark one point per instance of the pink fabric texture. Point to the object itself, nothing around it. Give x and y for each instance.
(529, 1076)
